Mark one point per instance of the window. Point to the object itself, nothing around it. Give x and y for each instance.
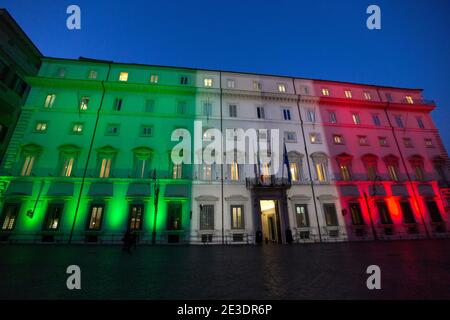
(329, 210)
(376, 120)
(93, 74)
(320, 165)
(184, 80)
(260, 112)
(237, 217)
(409, 99)
(290, 136)
(53, 217)
(301, 215)
(208, 82)
(348, 94)
(154, 78)
(383, 141)
(355, 211)
(136, 215)
(105, 167)
(231, 83)
(27, 165)
(371, 171)
(76, 128)
(207, 109)
(367, 96)
(293, 168)
(112, 129)
(408, 215)
(41, 126)
(433, 210)
(407, 142)
(177, 171)
(338, 139)
(281, 87)
(392, 169)
(9, 216)
(4, 70)
(429, 143)
(363, 141)
(123, 76)
(181, 107)
(256, 85)
(207, 217)
(61, 72)
(286, 114)
(174, 216)
(399, 121)
(345, 171)
(149, 105)
(315, 137)
(389, 97)
(94, 222)
(420, 123)
(206, 172)
(18, 85)
(332, 117)
(67, 166)
(418, 172)
(356, 119)
(49, 100)
(234, 171)
(385, 216)
(146, 130)
(325, 92)
(311, 115)
(84, 102)
(118, 104)
(232, 108)
(141, 162)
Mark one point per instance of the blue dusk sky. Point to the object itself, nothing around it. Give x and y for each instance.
(311, 39)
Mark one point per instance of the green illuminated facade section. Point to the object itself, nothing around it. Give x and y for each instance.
(93, 141)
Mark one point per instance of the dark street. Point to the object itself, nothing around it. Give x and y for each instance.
(409, 270)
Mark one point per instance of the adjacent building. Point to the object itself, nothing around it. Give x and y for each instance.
(19, 58)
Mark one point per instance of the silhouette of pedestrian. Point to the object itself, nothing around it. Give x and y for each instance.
(127, 241)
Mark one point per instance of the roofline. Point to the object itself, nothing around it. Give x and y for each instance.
(27, 38)
(81, 59)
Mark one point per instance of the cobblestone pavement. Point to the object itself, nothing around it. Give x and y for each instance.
(410, 270)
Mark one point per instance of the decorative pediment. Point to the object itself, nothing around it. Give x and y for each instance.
(206, 198)
(327, 197)
(390, 159)
(107, 150)
(236, 197)
(300, 198)
(369, 158)
(69, 149)
(142, 152)
(31, 148)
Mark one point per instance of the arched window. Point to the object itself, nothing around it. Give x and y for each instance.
(416, 162)
(295, 165)
(141, 166)
(68, 154)
(370, 162)
(30, 154)
(106, 156)
(344, 161)
(391, 162)
(320, 161)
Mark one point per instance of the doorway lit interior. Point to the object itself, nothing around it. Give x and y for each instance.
(270, 221)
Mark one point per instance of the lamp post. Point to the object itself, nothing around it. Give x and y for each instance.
(155, 201)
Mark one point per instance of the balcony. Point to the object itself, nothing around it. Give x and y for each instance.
(267, 182)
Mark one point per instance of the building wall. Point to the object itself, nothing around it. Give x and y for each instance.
(183, 99)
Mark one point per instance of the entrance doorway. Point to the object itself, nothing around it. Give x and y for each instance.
(270, 221)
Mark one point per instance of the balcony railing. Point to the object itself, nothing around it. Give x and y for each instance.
(417, 101)
(267, 182)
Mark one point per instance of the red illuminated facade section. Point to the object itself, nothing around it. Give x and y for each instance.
(389, 163)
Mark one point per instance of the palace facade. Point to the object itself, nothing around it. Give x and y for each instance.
(91, 158)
